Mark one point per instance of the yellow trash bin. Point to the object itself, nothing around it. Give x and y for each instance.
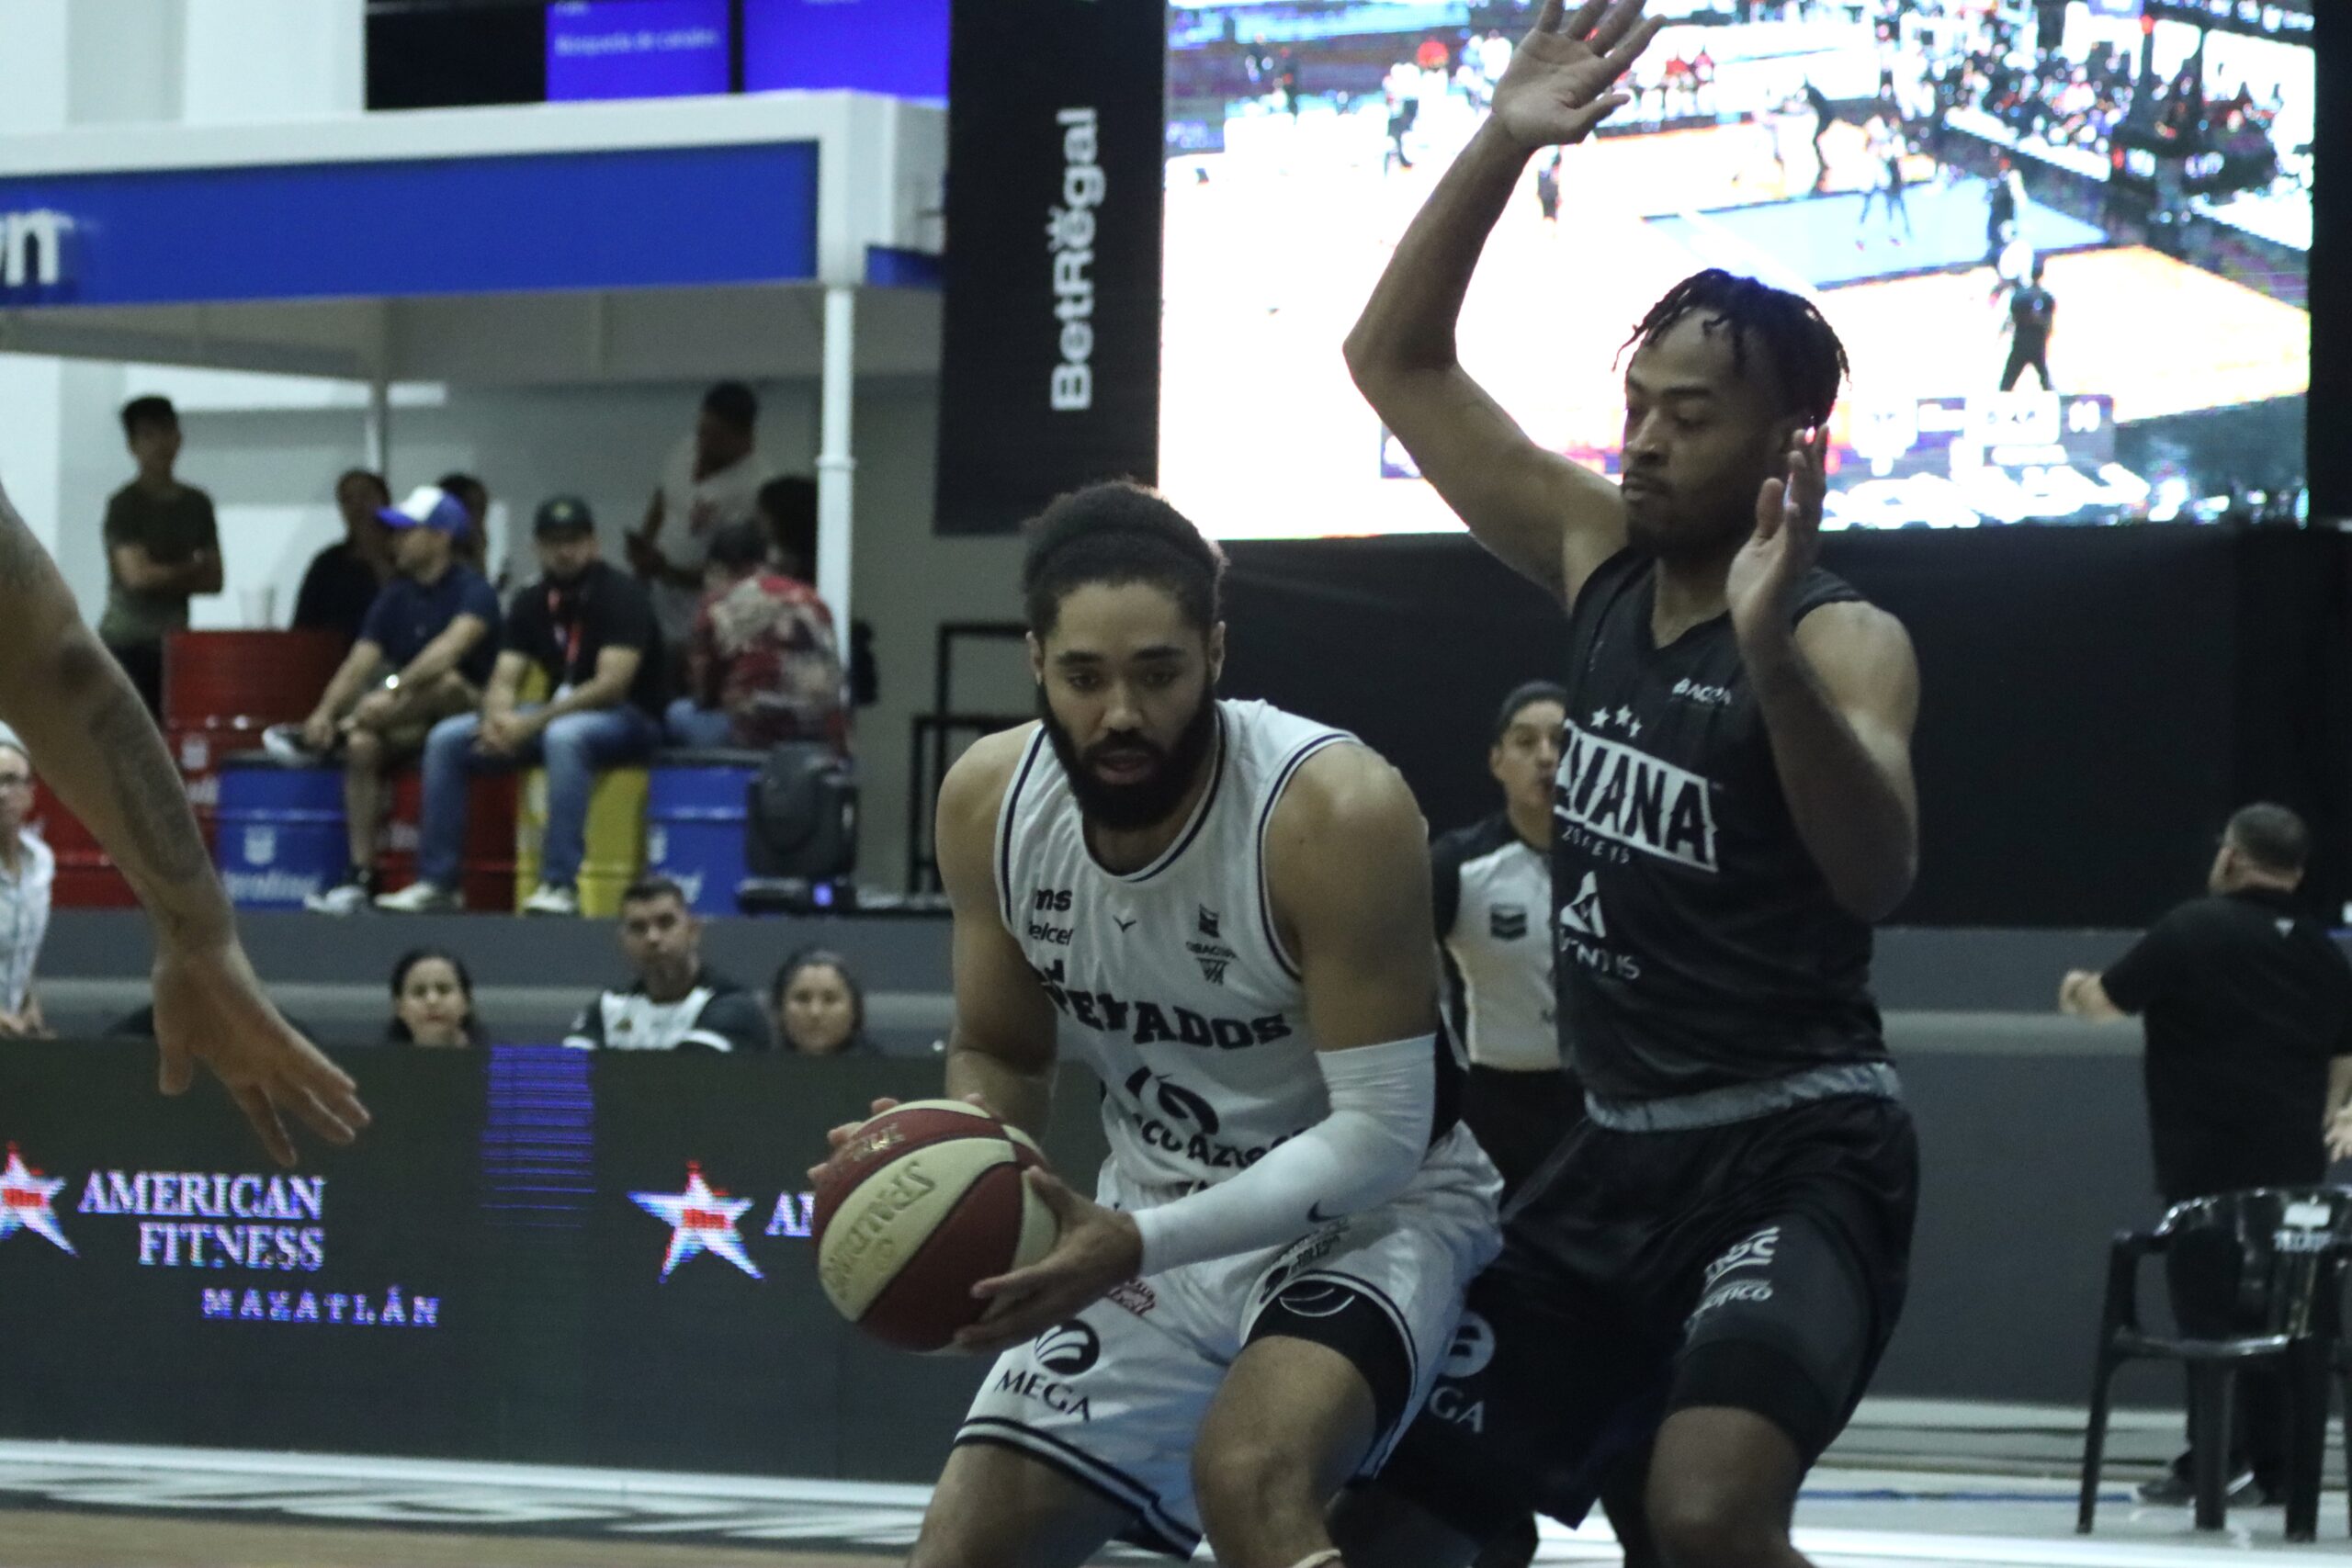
(616, 842)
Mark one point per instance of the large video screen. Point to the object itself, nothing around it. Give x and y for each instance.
(1913, 167)
(637, 49)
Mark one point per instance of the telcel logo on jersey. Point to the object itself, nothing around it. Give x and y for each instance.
(1070, 234)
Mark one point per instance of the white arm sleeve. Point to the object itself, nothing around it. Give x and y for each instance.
(1383, 1100)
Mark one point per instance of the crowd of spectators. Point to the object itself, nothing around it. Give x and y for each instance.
(714, 636)
(2042, 94)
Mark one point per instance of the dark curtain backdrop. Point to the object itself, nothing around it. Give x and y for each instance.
(2095, 701)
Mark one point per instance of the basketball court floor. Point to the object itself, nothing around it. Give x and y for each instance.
(1911, 1484)
(1274, 244)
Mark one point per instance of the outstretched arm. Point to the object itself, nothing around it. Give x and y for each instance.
(94, 741)
(1549, 519)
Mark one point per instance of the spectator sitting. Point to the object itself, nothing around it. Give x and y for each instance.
(712, 479)
(819, 1007)
(591, 631)
(762, 665)
(163, 547)
(343, 578)
(27, 869)
(433, 625)
(474, 496)
(676, 1003)
(787, 509)
(2247, 1014)
(433, 1000)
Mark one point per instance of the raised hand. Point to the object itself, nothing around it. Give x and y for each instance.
(1765, 575)
(1558, 86)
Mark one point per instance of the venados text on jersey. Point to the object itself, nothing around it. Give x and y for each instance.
(1147, 1022)
(1625, 794)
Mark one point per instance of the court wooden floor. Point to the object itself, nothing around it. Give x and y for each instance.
(1911, 1484)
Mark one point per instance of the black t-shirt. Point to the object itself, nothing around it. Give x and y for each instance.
(563, 626)
(1698, 945)
(336, 592)
(2032, 309)
(716, 1014)
(2243, 1001)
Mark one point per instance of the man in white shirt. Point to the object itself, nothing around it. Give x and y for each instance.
(712, 479)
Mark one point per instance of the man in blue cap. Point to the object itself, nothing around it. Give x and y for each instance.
(591, 631)
(425, 653)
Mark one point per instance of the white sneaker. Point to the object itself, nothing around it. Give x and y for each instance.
(343, 898)
(550, 899)
(284, 744)
(419, 899)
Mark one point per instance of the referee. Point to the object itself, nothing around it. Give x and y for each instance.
(1493, 887)
(2246, 1005)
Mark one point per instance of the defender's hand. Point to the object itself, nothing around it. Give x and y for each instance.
(1766, 574)
(1558, 86)
(210, 1007)
(1097, 1248)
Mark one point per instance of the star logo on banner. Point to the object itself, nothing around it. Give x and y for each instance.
(1625, 716)
(1600, 717)
(700, 1220)
(24, 1203)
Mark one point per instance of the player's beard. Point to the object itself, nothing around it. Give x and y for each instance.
(1150, 800)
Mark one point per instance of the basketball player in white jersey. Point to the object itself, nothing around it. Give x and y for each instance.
(1224, 910)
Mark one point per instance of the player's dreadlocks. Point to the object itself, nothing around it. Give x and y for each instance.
(1800, 348)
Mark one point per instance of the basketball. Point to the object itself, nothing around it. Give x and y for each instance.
(925, 1201)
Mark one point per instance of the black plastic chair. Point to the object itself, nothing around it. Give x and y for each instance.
(2291, 1244)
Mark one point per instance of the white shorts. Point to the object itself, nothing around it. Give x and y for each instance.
(1112, 1398)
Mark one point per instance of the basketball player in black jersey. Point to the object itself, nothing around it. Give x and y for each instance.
(1710, 1268)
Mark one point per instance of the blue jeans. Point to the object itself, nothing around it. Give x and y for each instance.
(572, 747)
(705, 730)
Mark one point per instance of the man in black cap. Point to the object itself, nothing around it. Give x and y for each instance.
(592, 630)
(2247, 1006)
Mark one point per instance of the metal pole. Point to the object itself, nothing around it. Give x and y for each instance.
(836, 468)
(379, 427)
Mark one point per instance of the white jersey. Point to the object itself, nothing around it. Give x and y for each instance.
(1170, 981)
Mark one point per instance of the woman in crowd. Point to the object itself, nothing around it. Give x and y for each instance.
(819, 1007)
(433, 1000)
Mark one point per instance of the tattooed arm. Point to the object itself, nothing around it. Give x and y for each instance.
(94, 742)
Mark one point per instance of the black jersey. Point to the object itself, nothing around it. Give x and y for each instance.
(1697, 944)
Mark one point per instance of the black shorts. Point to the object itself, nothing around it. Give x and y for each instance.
(1520, 1116)
(1759, 1265)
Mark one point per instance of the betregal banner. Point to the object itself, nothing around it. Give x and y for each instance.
(1050, 377)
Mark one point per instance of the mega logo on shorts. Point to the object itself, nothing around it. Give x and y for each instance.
(1066, 1350)
(1472, 1352)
